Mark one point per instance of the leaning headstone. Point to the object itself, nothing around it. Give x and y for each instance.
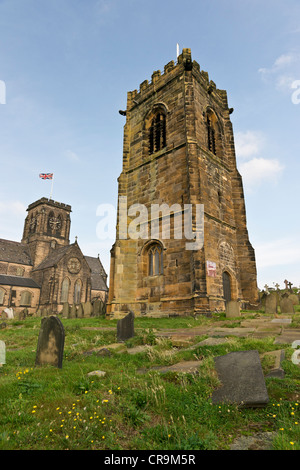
(65, 310)
(125, 327)
(233, 309)
(271, 303)
(242, 379)
(286, 305)
(51, 341)
(2, 353)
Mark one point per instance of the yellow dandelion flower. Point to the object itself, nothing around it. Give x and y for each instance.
(67, 437)
(292, 443)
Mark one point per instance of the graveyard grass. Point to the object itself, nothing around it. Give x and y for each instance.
(49, 408)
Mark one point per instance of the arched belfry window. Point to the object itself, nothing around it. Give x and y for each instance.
(211, 135)
(214, 135)
(157, 132)
(155, 260)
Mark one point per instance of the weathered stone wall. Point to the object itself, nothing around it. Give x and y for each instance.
(185, 171)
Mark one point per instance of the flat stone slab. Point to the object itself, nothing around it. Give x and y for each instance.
(282, 320)
(209, 342)
(190, 367)
(241, 332)
(258, 441)
(242, 379)
(288, 336)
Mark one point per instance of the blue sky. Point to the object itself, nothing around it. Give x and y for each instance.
(67, 65)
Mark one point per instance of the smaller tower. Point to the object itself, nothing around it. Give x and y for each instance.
(47, 227)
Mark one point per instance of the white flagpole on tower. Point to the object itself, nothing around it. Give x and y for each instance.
(177, 50)
(52, 186)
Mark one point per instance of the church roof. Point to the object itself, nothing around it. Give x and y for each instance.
(53, 258)
(17, 281)
(14, 252)
(98, 274)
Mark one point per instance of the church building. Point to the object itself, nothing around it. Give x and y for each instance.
(178, 152)
(44, 270)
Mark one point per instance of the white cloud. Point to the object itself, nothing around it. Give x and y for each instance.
(254, 168)
(257, 170)
(248, 144)
(14, 208)
(284, 71)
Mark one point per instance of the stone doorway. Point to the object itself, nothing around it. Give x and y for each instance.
(226, 287)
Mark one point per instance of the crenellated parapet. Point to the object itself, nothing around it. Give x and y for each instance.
(171, 71)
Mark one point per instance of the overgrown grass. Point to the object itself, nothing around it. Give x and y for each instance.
(49, 408)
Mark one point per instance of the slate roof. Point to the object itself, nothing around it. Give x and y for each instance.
(97, 273)
(17, 281)
(14, 252)
(53, 258)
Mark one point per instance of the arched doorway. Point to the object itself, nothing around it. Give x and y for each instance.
(226, 286)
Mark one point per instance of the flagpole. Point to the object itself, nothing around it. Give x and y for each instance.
(52, 186)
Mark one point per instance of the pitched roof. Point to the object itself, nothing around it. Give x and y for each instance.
(14, 252)
(17, 281)
(53, 258)
(98, 274)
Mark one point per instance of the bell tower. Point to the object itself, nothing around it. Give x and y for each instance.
(178, 151)
(46, 228)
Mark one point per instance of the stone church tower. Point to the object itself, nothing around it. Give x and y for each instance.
(47, 227)
(179, 151)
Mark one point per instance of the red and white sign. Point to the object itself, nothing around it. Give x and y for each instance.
(211, 268)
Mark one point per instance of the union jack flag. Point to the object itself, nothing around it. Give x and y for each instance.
(46, 176)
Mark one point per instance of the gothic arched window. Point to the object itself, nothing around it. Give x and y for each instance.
(157, 133)
(77, 291)
(26, 299)
(65, 290)
(2, 294)
(214, 134)
(155, 260)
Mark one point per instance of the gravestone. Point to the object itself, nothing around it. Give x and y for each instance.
(271, 303)
(73, 311)
(87, 309)
(96, 307)
(286, 304)
(51, 341)
(9, 313)
(294, 298)
(80, 311)
(66, 310)
(233, 309)
(242, 379)
(2, 353)
(125, 327)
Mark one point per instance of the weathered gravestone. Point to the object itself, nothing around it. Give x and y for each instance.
(233, 309)
(73, 311)
(2, 353)
(271, 303)
(242, 379)
(51, 341)
(80, 311)
(125, 327)
(66, 310)
(87, 309)
(294, 299)
(286, 304)
(9, 313)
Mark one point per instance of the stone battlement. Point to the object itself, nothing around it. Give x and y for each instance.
(49, 202)
(159, 80)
